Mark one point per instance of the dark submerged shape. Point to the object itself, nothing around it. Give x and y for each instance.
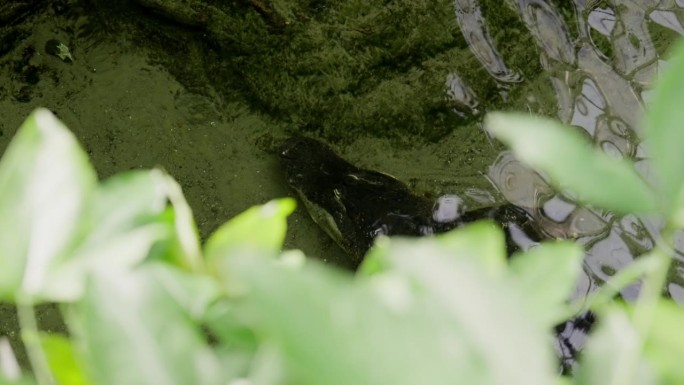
(354, 205)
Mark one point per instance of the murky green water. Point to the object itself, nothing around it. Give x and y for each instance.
(207, 90)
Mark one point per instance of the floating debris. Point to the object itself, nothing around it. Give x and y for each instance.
(56, 48)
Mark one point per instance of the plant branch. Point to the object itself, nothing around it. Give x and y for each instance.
(29, 335)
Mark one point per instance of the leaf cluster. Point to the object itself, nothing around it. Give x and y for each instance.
(145, 302)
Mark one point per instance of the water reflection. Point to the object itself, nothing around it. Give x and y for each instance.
(461, 96)
(475, 32)
(600, 70)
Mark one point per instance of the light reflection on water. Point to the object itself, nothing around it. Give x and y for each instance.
(601, 93)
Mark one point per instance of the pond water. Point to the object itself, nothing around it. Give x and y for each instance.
(207, 90)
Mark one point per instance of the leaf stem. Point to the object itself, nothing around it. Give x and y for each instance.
(29, 335)
(652, 288)
(644, 310)
(606, 293)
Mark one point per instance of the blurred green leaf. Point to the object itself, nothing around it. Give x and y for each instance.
(137, 333)
(383, 325)
(184, 223)
(260, 228)
(665, 343)
(475, 300)
(45, 183)
(297, 319)
(9, 367)
(612, 356)
(482, 242)
(665, 133)
(376, 259)
(123, 203)
(554, 267)
(193, 292)
(62, 360)
(572, 163)
(20, 381)
(123, 223)
(232, 324)
(77, 223)
(168, 250)
(626, 276)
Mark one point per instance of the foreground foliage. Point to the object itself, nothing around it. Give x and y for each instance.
(145, 302)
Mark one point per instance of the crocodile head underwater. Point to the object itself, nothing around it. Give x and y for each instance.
(354, 205)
